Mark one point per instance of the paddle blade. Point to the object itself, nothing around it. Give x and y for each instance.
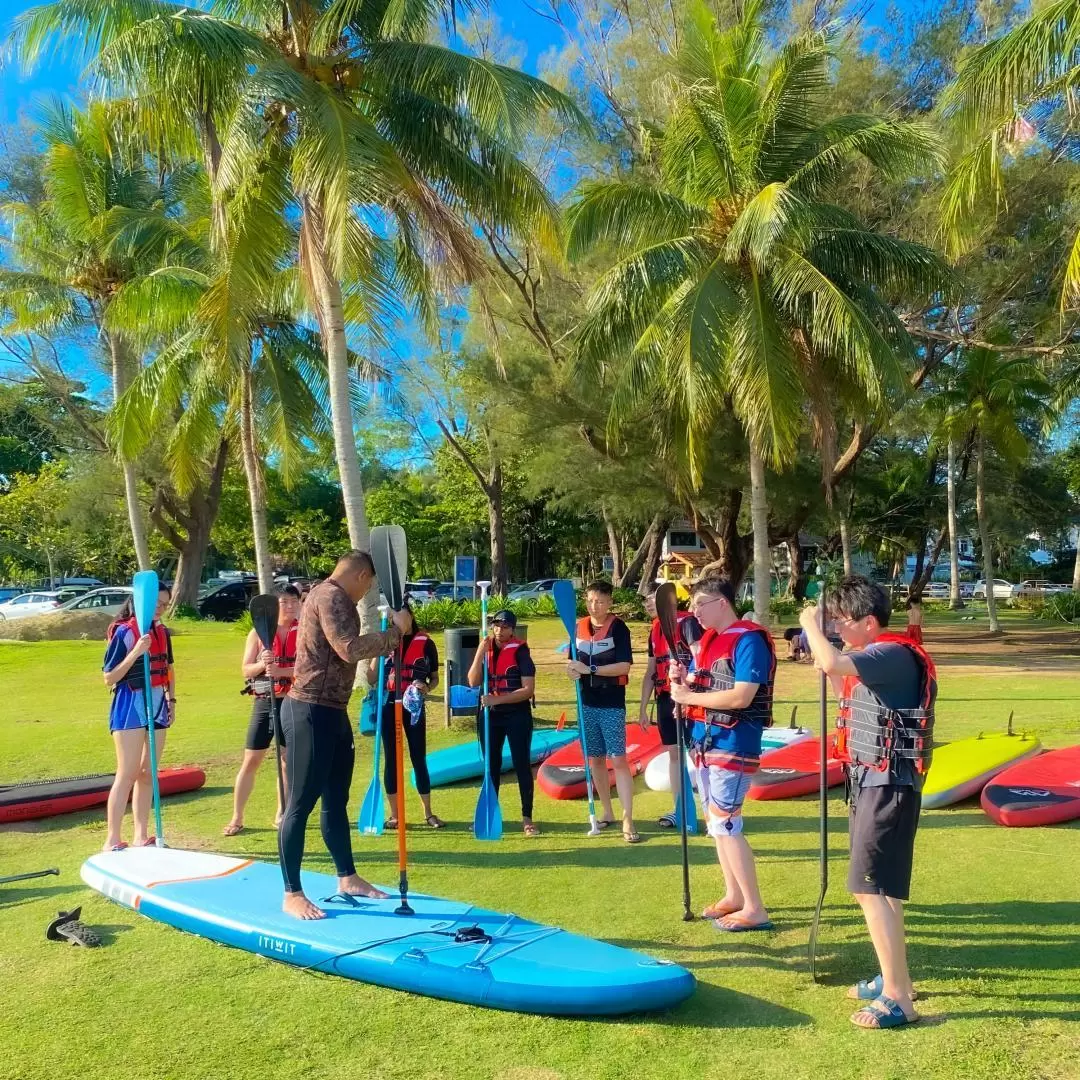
(371, 819)
(487, 821)
(562, 592)
(691, 807)
(264, 613)
(145, 587)
(667, 611)
(390, 554)
(464, 697)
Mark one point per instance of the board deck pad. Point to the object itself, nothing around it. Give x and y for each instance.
(961, 769)
(465, 761)
(1042, 790)
(562, 776)
(521, 966)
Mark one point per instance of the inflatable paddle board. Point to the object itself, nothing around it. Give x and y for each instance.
(46, 798)
(562, 776)
(963, 768)
(447, 949)
(465, 762)
(794, 770)
(1043, 790)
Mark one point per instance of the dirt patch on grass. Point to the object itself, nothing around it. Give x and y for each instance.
(1051, 650)
(64, 626)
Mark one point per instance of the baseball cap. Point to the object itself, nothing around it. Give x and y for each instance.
(506, 617)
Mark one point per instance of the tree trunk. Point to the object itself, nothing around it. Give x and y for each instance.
(497, 529)
(330, 314)
(759, 516)
(650, 567)
(729, 549)
(955, 601)
(920, 557)
(984, 531)
(614, 545)
(255, 485)
(1076, 566)
(796, 569)
(920, 581)
(657, 527)
(121, 364)
(845, 545)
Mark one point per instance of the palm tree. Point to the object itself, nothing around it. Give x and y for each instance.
(737, 282)
(367, 125)
(105, 223)
(996, 401)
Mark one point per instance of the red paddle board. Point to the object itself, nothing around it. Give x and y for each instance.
(1043, 790)
(562, 776)
(794, 770)
(46, 798)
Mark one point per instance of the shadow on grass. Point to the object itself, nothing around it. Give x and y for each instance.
(713, 1006)
(10, 896)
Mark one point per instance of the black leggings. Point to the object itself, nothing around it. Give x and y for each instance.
(319, 751)
(518, 728)
(416, 737)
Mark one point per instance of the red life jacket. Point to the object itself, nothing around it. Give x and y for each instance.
(284, 650)
(159, 655)
(869, 733)
(505, 676)
(662, 677)
(595, 647)
(715, 671)
(413, 663)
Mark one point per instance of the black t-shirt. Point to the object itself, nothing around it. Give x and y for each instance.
(605, 693)
(526, 669)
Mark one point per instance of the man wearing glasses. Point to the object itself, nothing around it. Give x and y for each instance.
(729, 698)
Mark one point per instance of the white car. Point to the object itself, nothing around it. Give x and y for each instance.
(418, 593)
(936, 590)
(107, 601)
(1003, 590)
(30, 603)
(534, 590)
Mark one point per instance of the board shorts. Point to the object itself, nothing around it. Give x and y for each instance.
(723, 792)
(605, 731)
(882, 823)
(128, 709)
(259, 734)
(914, 632)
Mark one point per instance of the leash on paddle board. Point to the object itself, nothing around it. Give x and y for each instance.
(264, 618)
(372, 817)
(667, 605)
(562, 592)
(487, 820)
(823, 801)
(144, 591)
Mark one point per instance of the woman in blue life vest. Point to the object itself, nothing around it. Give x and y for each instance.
(420, 672)
(511, 680)
(123, 669)
(265, 671)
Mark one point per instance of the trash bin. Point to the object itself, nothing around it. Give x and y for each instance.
(459, 648)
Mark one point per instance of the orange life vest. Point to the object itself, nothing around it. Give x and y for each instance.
(596, 648)
(159, 655)
(505, 676)
(715, 671)
(662, 677)
(413, 663)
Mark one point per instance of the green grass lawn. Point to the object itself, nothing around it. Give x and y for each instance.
(995, 947)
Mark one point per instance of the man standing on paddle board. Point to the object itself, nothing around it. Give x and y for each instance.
(657, 681)
(315, 720)
(887, 686)
(511, 685)
(729, 699)
(603, 667)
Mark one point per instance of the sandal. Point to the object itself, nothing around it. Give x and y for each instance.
(232, 830)
(719, 911)
(632, 837)
(733, 925)
(390, 823)
(604, 823)
(122, 846)
(885, 1013)
(530, 829)
(435, 822)
(667, 821)
(871, 989)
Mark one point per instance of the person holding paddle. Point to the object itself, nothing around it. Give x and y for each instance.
(419, 676)
(315, 722)
(266, 672)
(125, 676)
(511, 680)
(603, 666)
(729, 698)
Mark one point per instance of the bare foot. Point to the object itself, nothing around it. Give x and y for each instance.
(357, 886)
(299, 906)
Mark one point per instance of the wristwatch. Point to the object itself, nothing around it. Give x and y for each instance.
(592, 669)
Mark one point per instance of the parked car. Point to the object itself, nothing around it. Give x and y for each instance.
(1040, 588)
(418, 592)
(936, 590)
(227, 602)
(31, 603)
(107, 601)
(9, 592)
(533, 590)
(967, 589)
(1003, 590)
(445, 591)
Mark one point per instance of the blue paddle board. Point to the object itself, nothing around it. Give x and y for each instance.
(447, 949)
(464, 761)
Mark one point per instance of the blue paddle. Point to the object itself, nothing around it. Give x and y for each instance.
(487, 821)
(562, 592)
(372, 818)
(145, 587)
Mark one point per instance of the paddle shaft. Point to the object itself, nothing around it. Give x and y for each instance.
(380, 702)
(823, 810)
(399, 754)
(27, 877)
(684, 810)
(584, 746)
(148, 698)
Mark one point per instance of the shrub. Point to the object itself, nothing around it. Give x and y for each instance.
(186, 611)
(784, 608)
(1064, 606)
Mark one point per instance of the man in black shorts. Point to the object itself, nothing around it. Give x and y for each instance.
(887, 686)
(657, 682)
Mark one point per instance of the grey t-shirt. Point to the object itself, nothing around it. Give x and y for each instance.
(893, 674)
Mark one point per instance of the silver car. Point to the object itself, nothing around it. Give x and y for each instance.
(107, 601)
(30, 603)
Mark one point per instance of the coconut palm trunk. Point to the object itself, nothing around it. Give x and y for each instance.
(121, 363)
(845, 545)
(955, 602)
(759, 516)
(1076, 567)
(984, 531)
(255, 484)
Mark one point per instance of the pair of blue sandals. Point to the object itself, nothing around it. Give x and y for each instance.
(885, 1012)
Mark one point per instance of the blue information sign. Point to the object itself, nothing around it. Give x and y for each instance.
(465, 568)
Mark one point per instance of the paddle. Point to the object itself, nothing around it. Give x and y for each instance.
(26, 877)
(264, 616)
(562, 592)
(372, 818)
(823, 808)
(667, 611)
(487, 820)
(390, 553)
(145, 588)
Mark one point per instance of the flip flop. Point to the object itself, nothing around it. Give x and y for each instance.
(730, 925)
(871, 989)
(232, 830)
(390, 823)
(632, 837)
(604, 823)
(530, 830)
(887, 1015)
(150, 841)
(119, 847)
(435, 822)
(718, 911)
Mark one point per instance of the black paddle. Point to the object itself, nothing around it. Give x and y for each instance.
(264, 616)
(27, 877)
(667, 608)
(823, 806)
